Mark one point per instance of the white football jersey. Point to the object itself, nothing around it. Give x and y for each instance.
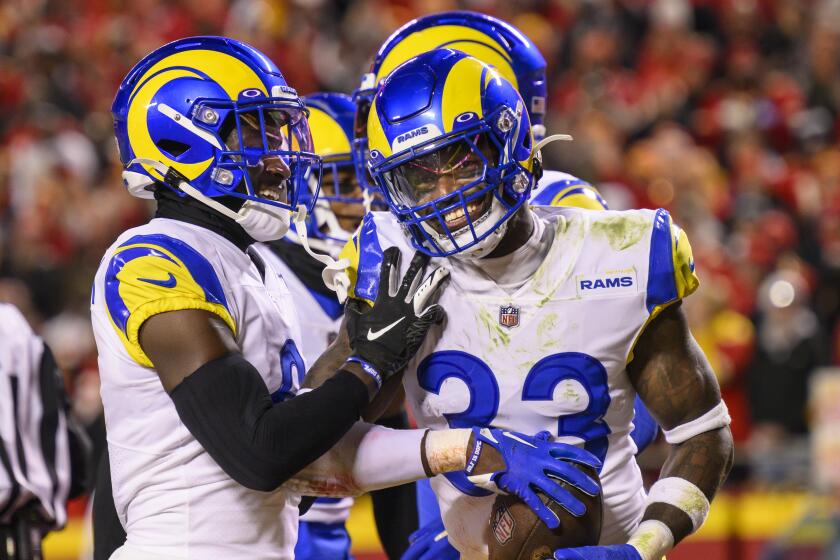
(551, 355)
(319, 317)
(172, 498)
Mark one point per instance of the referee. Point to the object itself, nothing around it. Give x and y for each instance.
(43, 454)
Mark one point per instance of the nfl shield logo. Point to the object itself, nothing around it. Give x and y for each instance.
(502, 525)
(509, 316)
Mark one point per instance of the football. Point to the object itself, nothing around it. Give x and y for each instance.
(516, 533)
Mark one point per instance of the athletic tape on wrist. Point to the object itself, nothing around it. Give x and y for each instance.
(718, 417)
(368, 368)
(446, 450)
(652, 539)
(683, 495)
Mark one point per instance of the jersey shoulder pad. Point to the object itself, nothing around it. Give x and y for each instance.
(155, 273)
(671, 275)
(364, 253)
(561, 189)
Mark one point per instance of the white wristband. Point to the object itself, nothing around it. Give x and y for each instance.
(446, 450)
(717, 417)
(652, 539)
(681, 494)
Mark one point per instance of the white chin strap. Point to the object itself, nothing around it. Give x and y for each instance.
(334, 275)
(263, 222)
(549, 139)
(367, 200)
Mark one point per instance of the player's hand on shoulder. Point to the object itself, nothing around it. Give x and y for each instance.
(536, 462)
(430, 542)
(612, 552)
(388, 335)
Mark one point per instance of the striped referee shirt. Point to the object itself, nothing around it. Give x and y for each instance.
(34, 449)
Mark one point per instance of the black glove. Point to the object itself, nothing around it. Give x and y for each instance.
(388, 335)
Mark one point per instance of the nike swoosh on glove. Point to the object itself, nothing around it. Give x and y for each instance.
(612, 552)
(536, 462)
(389, 334)
(430, 542)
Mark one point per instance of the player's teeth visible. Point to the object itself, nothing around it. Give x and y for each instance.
(454, 215)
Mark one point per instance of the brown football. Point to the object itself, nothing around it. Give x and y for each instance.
(516, 533)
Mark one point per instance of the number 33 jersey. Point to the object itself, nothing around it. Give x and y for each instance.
(550, 354)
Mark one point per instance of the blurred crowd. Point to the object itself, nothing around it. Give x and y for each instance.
(726, 112)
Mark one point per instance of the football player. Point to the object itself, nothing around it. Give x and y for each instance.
(518, 59)
(198, 338)
(337, 213)
(515, 57)
(557, 318)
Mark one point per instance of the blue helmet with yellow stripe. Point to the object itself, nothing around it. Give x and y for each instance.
(487, 38)
(556, 188)
(341, 204)
(451, 149)
(331, 124)
(197, 114)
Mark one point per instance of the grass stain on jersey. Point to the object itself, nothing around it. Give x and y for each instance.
(494, 329)
(548, 323)
(526, 366)
(568, 235)
(621, 231)
(545, 266)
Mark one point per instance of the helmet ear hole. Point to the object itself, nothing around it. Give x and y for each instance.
(172, 148)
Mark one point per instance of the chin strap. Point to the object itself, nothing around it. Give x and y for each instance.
(166, 176)
(334, 275)
(537, 153)
(553, 138)
(367, 199)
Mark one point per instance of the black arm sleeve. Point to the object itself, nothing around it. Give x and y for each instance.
(395, 509)
(226, 406)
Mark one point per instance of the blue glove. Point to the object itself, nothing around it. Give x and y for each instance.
(529, 461)
(612, 552)
(430, 542)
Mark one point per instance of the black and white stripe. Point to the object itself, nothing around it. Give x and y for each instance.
(34, 447)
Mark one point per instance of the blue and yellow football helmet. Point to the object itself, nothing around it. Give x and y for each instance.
(451, 149)
(196, 114)
(331, 124)
(488, 39)
(561, 189)
(341, 201)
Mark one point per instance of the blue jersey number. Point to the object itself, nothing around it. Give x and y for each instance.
(476, 375)
(291, 364)
(484, 397)
(587, 424)
(539, 385)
